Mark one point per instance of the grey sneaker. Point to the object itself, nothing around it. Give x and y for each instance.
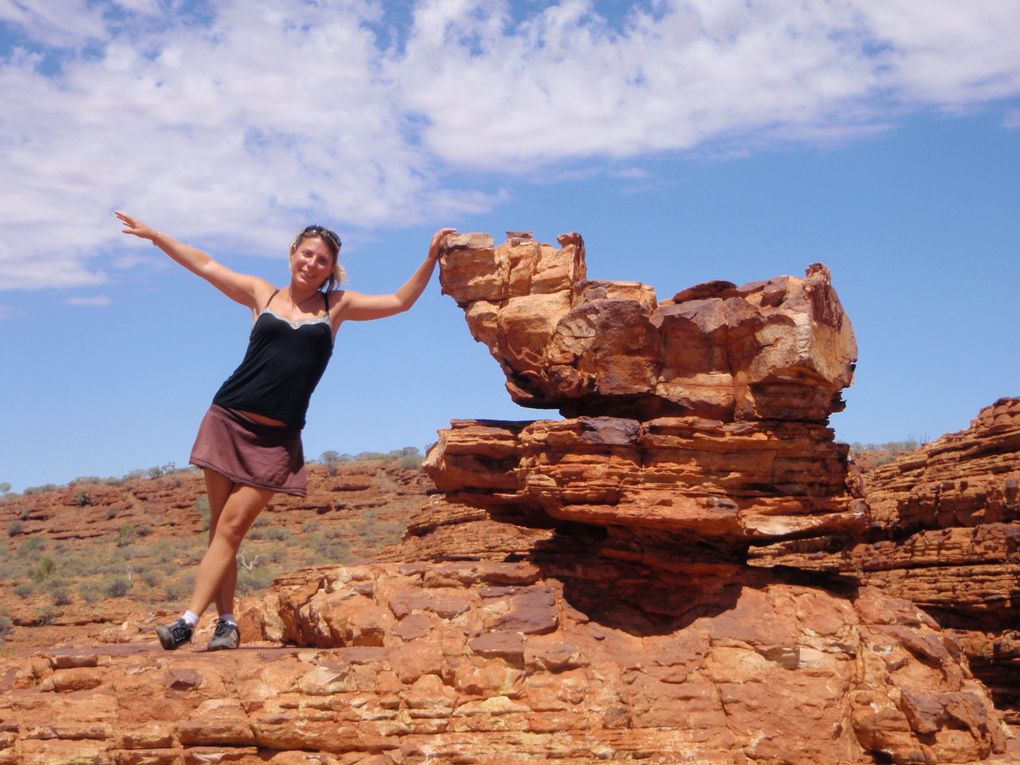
(225, 636)
(175, 634)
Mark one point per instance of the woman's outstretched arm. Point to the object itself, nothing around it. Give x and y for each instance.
(245, 289)
(355, 306)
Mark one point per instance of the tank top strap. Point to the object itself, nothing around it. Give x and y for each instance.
(270, 300)
(325, 302)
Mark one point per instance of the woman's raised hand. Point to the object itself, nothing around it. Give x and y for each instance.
(439, 242)
(135, 227)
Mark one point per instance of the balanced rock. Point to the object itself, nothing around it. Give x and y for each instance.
(780, 349)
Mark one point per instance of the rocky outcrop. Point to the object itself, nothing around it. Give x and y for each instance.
(781, 349)
(529, 661)
(946, 535)
(576, 590)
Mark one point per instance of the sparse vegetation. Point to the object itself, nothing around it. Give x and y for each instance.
(6, 625)
(82, 498)
(873, 455)
(16, 528)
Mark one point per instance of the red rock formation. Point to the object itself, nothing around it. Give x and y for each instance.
(947, 536)
(782, 349)
(567, 658)
(578, 590)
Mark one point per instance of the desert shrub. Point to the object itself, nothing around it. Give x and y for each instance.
(60, 595)
(151, 577)
(144, 530)
(90, 592)
(31, 546)
(16, 528)
(179, 588)
(6, 625)
(40, 489)
(124, 535)
(5, 489)
(46, 615)
(277, 533)
(158, 471)
(333, 550)
(116, 586)
(255, 579)
(24, 590)
(202, 506)
(311, 527)
(82, 498)
(43, 569)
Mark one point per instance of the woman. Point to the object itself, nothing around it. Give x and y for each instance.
(249, 443)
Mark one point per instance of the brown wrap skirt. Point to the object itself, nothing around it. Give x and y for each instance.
(250, 453)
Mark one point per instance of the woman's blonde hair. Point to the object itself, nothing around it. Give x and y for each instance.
(338, 275)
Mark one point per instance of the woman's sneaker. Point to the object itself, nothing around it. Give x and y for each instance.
(175, 634)
(225, 636)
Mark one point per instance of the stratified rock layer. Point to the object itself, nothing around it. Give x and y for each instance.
(725, 484)
(947, 536)
(781, 349)
(566, 658)
(578, 590)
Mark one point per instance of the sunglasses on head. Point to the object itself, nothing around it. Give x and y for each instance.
(323, 231)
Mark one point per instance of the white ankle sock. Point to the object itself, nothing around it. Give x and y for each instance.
(229, 618)
(190, 618)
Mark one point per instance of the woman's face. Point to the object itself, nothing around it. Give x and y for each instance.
(311, 262)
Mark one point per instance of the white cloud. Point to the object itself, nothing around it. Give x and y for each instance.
(89, 301)
(247, 125)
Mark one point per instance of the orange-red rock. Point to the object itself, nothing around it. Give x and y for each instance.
(781, 349)
(946, 535)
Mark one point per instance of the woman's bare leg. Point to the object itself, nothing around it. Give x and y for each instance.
(238, 513)
(218, 488)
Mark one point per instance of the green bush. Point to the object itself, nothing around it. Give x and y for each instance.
(6, 625)
(31, 546)
(46, 615)
(180, 588)
(24, 590)
(116, 586)
(277, 533)
(42, 570)
(16, 528)
(255, 579)
(124, 535)
(90, 592)
(82, 498)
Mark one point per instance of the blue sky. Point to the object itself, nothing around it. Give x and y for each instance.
(686, 141)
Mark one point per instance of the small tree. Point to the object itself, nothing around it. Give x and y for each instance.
(331, 460)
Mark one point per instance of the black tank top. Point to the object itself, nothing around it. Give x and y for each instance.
(283, 364)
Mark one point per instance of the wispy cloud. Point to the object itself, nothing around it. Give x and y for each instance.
(1011, 120)
(89, 301)
(246, 123)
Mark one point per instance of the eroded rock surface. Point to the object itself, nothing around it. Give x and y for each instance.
(573, 659)
(576, 591)
(946, 535)
(780, 349)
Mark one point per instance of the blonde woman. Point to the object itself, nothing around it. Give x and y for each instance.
(249, 443)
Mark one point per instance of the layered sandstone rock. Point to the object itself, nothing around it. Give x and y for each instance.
(701, 417)
(780, 349)
(578, 590)
(946, 535)
(567, 658)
